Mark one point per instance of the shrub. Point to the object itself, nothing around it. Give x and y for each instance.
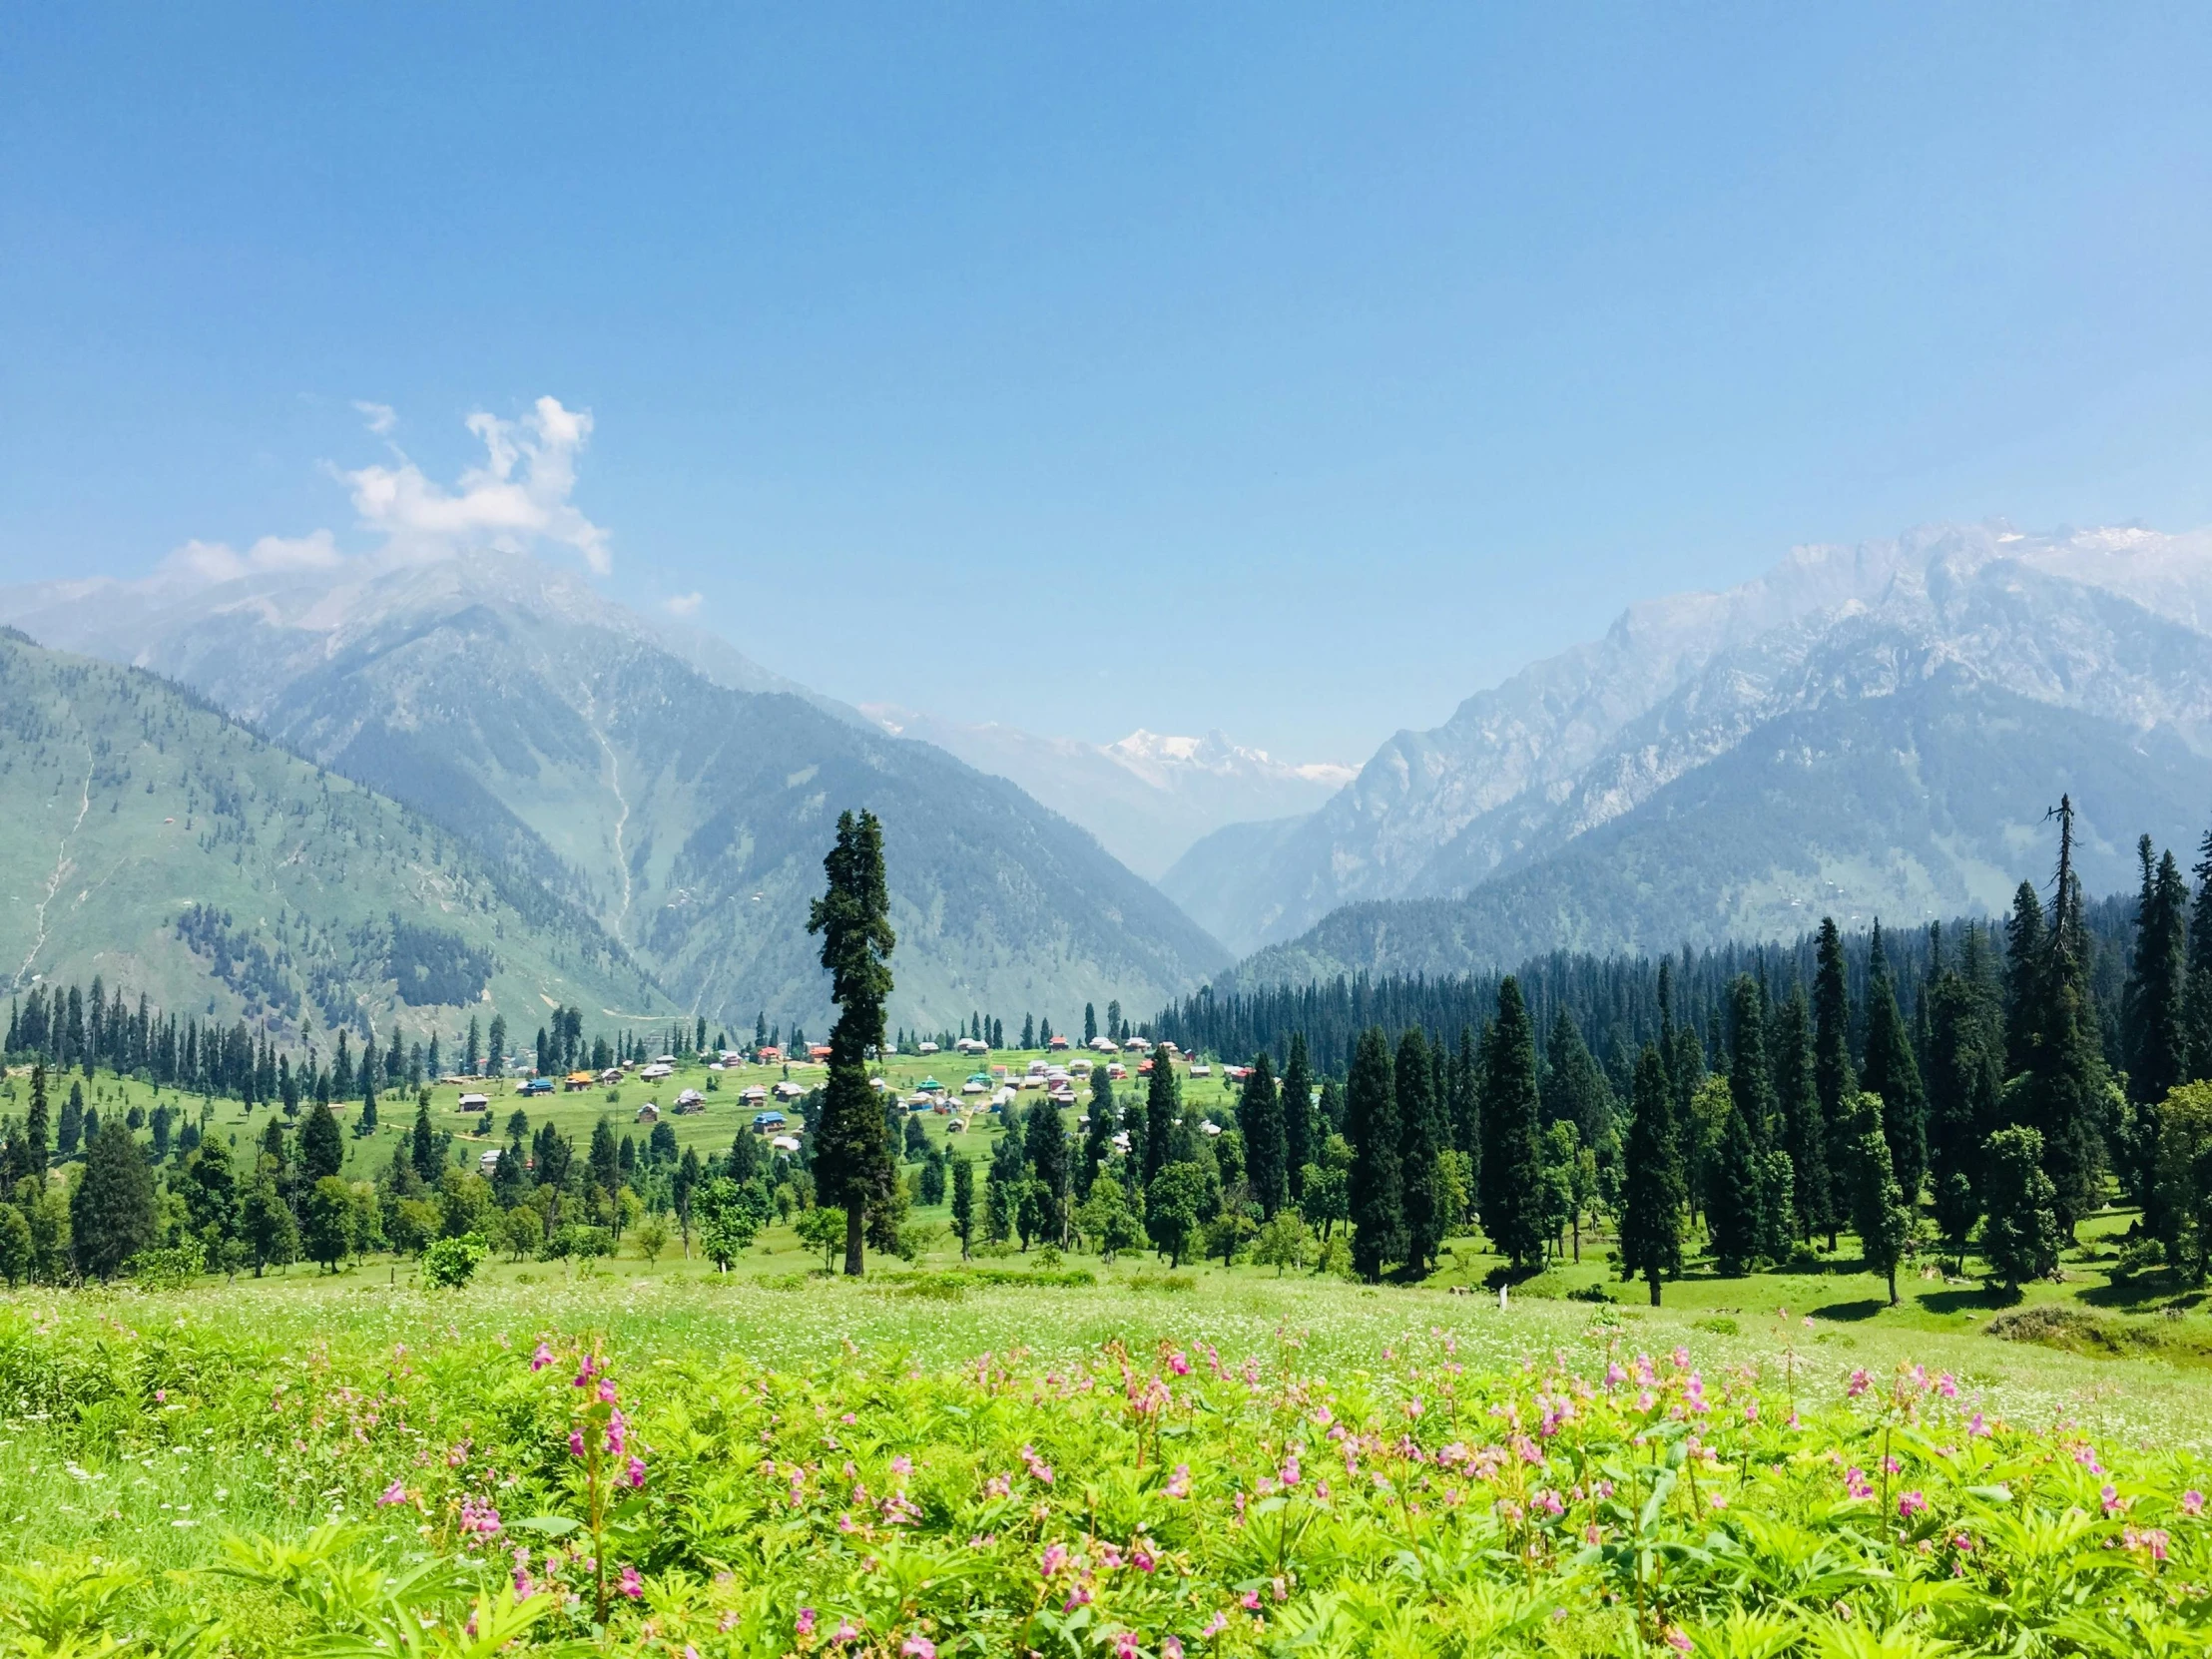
(448, 1264)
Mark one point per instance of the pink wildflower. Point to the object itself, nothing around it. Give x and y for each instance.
(635, 1475)
(542, 1357)
(1910, 1503)
(1125, 1645)
(2113, 1503)
(919, 1647)
(396, 1492)
(1290, 1472)
(1678, 1639)
(576, 1443)
(1179, 1483)
(997, 1486)
(2192, 1502)
(1215, 1625)
(901, 1466)
(1252, 1601)
(1946, 1386)
(1054, 1558)
(1860, 1382)
(632, 1585)
(805, 1621)
(1171, 1647)
(1179, 1362)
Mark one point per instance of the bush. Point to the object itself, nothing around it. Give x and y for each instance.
(1591, 1293)
(448, 1264)
(168, 1268)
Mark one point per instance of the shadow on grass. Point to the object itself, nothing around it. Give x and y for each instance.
(1850, 1312)
(1981, 1299)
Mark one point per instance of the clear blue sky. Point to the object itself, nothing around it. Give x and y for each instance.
(1299, 370)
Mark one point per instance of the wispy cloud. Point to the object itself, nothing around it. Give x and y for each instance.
(682, 604)
(518, 498)
(214, 561)
(380, 418)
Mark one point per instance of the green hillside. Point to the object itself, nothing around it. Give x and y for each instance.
(160, 845)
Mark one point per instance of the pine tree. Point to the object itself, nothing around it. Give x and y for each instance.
(423, 1145)
(963, 1202)
(1803, 1132)
(2198, 1001)
(1300, 1146)
(111, 1214)
(1878, 1211)
(2153, 1018)
(1265, 1145)
(1044, 1143)
(35, 1150)
(1652, 1200)
(1966, 1059)
(322, 1148)
(1423, 1140)
(1371, 1123)
(1090, 1024)
(1163, 1110)
(1513, 1151)
(2065, 1072)
(604, 1159)
(1098, 1138)
(72, 1129)
(368, 1124)
(1833, 1078)
(852, 1163)
(2025, 955)
(1891, 1072)
(2022, 1236)
(1464, 1104)
(1574, 1087)
(1732, 1207)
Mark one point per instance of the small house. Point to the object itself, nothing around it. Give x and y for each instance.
(648, 1113)
(474, 1102)
(576, 1081)
(692, 1098)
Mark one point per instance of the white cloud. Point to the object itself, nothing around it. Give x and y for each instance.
(682, 604)
(381, 417)
(518, 498)
(214, 561)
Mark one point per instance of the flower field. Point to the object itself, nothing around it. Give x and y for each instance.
(1355, 1474)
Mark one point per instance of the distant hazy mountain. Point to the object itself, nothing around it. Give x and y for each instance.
(663, 784)
(1147, 798)
(160, 845)
(2093, 650)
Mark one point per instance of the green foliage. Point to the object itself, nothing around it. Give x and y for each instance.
(2021, 1236)
(111, 1214)
(449, 1264)
(822, 1228)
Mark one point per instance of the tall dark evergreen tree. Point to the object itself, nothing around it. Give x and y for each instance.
(2198, 1001)
(1464, 1104)
(111, 1214)
(1574, 1087)
(2067, 1073)
(1163, 1111)
(1300, 1146)
(37, 1152)
(1098, 1134)
(1891, 1072)
(1513, 1204)
(1834, 1077)
(1965, 1073)
(1804, 1130)
(423, 1145)
(1266, 1146)
(2025, 957)
(1652, 1200)
(322, 1147)
(2154, 1031)
(72, 1130)
(1371, 1123)
(1732, 1203)
(1421, 1146)
(1045, 1146)
(852, 1154)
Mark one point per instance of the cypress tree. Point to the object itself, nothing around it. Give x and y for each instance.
(1652, 1198)
(1966, 1059)
(1574, 1086)
(1465, 1104)
(2065, 1072)
(1371, 1123)
(2024, 980)
(1421, 1144)
(853, 1161)
(368, 1124)
(1513, 1152)
(1300, 1146)
(1045, 1146)
(1878, 1210)
(963, 1202)
(1803, 1132)
(1832, 1076)
(605, 1158)
(1265, 1144)
(111, 1214)
(1891, 1072)
(322, 1148)
(72, 1127)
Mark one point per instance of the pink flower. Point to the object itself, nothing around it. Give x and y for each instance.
(396, 1492)
(1946, 1386)
(1171, 1647)
(586, 1371)
(1125, 1645)
(902, 1467)
(1910, 1503)
(1179, 1483)
(1252, 1601)
(618, 1431)
(542, 1357)
(2192, 1502)
(919, 1647)
(846, 1631)
(2113, 1503)
(1054, 1558)
(1142, 1558)
(2150, 1542)
(1860, 1382)
(576, 1443)
(1179, 1362)
(632, 1585)
(805, 1621)
(1678, 1639)
(1215, 1625)
(635, 1475)
(1039, 1471)
(997, 1486)
(1290, 1472)
(1856, 1483)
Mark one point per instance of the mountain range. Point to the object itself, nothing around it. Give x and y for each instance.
(653, 781)
(1871, 729)
(1146, 797)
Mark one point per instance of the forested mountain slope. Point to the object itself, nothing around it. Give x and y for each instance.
(158, 844)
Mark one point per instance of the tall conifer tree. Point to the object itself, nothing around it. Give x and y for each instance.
(1804, 1131)
(1891, 1072)
(2153, 1016)
(1513, 1151)
(111, 1214)
(1420, 1128)
(1163, 1111)
(1834, 1077)
(1652, 1200)
(1378, 1197)
(1300, 1146)
(852, 1161)
(1266, 1147)
(2065, 1072)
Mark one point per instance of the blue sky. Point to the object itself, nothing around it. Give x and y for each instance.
(1290, 369)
